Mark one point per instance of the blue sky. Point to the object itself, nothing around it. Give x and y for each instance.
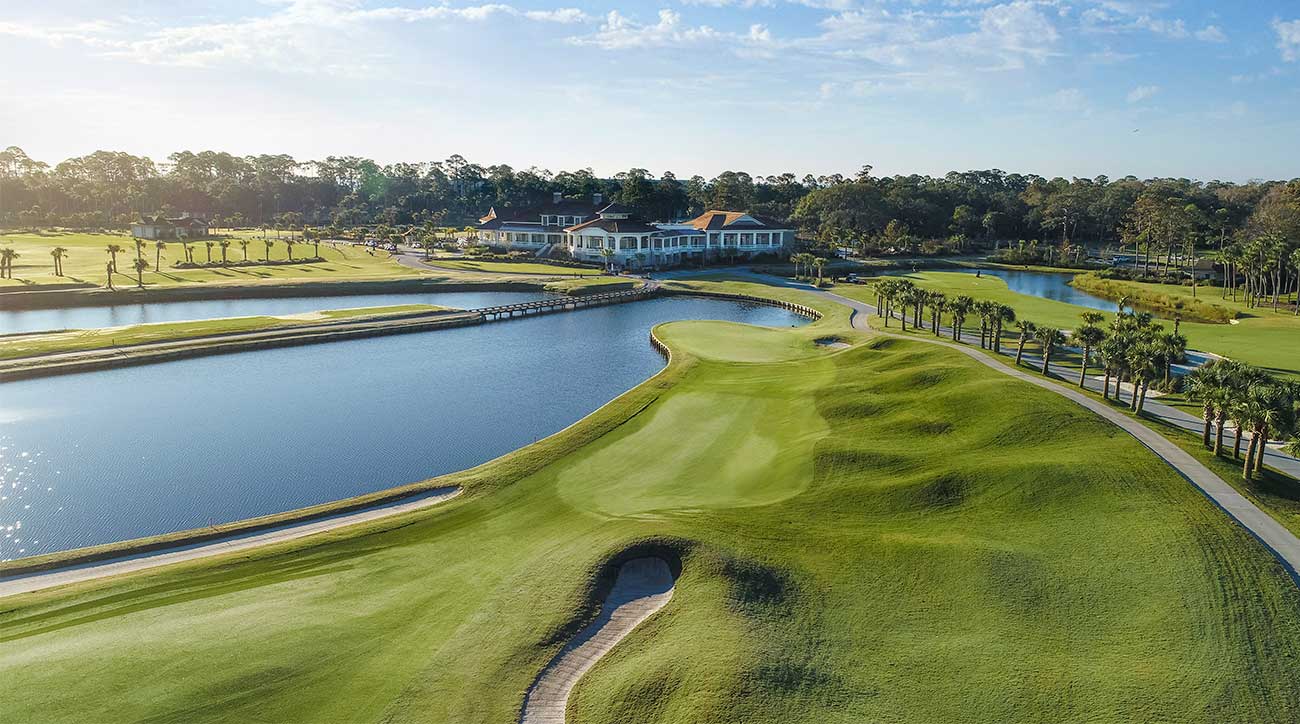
(1057, 87)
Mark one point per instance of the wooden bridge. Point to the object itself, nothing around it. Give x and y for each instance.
(564, 304)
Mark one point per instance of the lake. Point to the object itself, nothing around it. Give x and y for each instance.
(1048, 285)
(105, 456)
(35, 320)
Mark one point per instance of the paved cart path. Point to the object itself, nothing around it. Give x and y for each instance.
(1277, 538)
(88, 572)
(643, 586)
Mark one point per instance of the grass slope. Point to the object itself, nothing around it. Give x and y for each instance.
(887, 533)
(1260, 337)
(504, 267)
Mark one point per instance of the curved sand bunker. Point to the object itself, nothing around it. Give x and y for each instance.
(643, 586)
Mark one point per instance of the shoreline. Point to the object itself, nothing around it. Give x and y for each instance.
(59, 560)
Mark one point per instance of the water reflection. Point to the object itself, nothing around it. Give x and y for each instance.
(35, 320)
(145, 450)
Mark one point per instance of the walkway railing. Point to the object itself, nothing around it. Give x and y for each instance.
(562, 304)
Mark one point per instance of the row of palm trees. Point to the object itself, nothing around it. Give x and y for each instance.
(1132, 349)
(809, 262)
(914, 301)
(7, 257)
(1253, 401)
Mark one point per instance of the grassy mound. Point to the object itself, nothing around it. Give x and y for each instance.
(887, 533)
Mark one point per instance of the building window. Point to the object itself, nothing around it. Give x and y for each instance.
(747, 239)
(627, 242)
(728, 239)
(697, 241)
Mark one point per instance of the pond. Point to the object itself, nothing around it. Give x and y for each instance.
(106, 456)
(1049, 285)
(35, 320)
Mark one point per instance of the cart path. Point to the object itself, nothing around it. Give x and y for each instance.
(643, 586)
(1276, 537)
(26, 583)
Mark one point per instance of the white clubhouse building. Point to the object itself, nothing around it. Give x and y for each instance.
(613, 234)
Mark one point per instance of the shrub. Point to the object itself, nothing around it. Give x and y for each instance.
(1154, 300)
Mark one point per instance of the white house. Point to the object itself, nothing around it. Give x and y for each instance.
(157, 227)
(614, 234)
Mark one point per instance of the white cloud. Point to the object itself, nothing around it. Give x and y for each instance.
(1288, 39)
(1212, 34)
(1067, 100)
(300, 35)
(1142, 93)
(619, 32)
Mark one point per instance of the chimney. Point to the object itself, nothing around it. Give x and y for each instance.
(597, 199)
(557, 197)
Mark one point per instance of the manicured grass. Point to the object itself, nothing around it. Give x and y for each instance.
(28, 345)
(592, 285)
(1263, 338)
(87, 257)
(887, 533)
(502, 267)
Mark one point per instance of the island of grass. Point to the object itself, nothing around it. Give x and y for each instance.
(891, 532)
(80, 340)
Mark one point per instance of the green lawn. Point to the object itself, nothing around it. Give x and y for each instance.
(887, 533)
(87, 257)
(503, 267)
(1265, 339)
(28, 345)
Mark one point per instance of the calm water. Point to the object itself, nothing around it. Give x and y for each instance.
(94, 317)
(1049, 286)
(105, 456)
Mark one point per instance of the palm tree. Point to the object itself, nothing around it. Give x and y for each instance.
(820, 264)
(209, 245)
(243, 246)
(1087, 337)
(58, 253)
(140, 266)
(269, 243)
(1110, 351)
(1003, 314)
(1141, 360)
(607, 254)
(113, 251)
(288, 246)
(189, 251)
(907, 297)
(6, 261)
(985, 311)
(1170, 347)
(959, 307)
(225, 246)
(935, 301)
(1049, 338)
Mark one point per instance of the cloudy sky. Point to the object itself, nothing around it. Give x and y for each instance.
(1059, 87)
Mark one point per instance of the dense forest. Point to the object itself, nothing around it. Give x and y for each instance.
(910, 213)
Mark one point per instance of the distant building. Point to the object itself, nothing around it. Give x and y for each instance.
(162, 229)
(587, 228)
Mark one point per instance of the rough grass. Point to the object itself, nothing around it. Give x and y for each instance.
(1146, 296)
(881, 552)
